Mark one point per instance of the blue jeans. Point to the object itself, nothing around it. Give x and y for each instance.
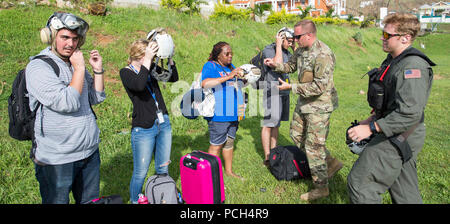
(82, 177)
(143, 143)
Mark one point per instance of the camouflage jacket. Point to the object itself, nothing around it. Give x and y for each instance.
(315, 85)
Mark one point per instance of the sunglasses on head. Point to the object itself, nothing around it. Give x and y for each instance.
(387, 35)
(299, 36)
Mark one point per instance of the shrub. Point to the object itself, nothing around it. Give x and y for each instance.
(172, 4)
(187, 6)
(366, 23)
(281, 17)
(284, 17)
(358, 38)
(229, 12)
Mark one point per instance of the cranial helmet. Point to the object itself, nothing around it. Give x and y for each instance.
(286, 32)
(61, 20)
(251, 73)
(165, 51)
(356, 147)
(164, 41)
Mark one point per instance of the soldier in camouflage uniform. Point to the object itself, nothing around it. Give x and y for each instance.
(315, 63)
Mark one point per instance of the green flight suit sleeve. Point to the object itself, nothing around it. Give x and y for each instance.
(323, 73)
(411, 96)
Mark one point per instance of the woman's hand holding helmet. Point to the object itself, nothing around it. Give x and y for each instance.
(151, 50)
(150, 53)
(237, 72)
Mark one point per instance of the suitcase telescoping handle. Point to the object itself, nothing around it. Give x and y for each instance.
(191, 161)
(190, 157)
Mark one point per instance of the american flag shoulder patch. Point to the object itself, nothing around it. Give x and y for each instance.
(412, 73)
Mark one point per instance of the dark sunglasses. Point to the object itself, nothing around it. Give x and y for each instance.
(299, 36)
(228, 54)
(387, 35)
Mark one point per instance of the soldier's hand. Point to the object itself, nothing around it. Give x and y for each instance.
(284, 85)
(270, 62)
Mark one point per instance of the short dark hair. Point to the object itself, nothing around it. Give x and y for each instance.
(307, 25)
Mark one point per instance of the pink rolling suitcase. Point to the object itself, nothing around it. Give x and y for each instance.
(201, 178)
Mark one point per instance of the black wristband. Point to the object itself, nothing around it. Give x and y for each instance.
(99, 73)
(372, 127)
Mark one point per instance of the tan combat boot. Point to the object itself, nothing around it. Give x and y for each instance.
(315, 194)
(333, 165)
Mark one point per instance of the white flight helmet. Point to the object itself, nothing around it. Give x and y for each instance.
(165, 51)
(251, 73)
(286, 32)
(164, 41)
(61, 20)
(356, 147)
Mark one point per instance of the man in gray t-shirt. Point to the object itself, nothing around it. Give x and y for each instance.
(275, 102)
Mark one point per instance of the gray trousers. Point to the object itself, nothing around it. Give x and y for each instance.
(379, 168)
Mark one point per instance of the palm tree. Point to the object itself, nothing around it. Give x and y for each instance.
(305, 12)
(329, 14)
(260, 9)
(194, 5)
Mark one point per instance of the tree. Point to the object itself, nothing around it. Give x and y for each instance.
(329, 14)
(193, 5)
(261, 8)
(305, 12)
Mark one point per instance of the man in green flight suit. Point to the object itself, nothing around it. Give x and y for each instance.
(315, 63)
(398, 132)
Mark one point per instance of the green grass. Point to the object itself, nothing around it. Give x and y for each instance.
(194, 37)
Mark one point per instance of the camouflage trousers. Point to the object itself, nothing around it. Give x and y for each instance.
(309, 132)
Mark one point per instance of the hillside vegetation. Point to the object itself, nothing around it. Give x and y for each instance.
(194, 38)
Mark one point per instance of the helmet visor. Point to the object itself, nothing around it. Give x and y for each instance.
(66, 20)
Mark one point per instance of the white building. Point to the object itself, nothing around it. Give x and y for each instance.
(319, 7)
(435, 13)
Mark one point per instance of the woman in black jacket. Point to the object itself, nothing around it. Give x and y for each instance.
(151, 131)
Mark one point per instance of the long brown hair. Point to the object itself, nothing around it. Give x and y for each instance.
(217, 49)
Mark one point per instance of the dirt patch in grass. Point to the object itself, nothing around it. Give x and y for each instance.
(104, 40)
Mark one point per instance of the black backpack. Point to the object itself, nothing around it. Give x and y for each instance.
(288, 163)
(21, 118)
(258, 61)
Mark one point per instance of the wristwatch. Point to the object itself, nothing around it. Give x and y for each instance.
(372, 127)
